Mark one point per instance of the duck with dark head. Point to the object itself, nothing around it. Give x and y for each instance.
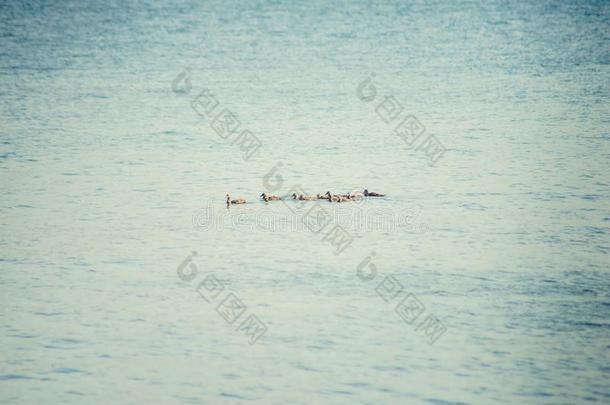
(368, 193)
(335, 197)
(267, 198)
(302, 197)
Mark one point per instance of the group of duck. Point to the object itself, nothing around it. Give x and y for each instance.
(326, 196)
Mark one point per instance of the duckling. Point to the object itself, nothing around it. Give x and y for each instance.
(344, 198)
(332, 197)
(372, 194)
(266, 197)
(356, 196)
(302, 197)
(239, 200)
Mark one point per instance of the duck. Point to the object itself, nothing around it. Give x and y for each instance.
(356, 196)
(266, 197)
(296, 196)
(322, 196)
(344, 198)
(302, 197)
(372, 194)
(334, 197)
(239, 200)
(307, 197)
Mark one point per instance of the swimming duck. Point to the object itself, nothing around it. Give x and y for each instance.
(356, 196)
(302, 197)
(322, 196)
(266, 197)
(344, 198)
(334, 197)
(372, 194)
(239, 200)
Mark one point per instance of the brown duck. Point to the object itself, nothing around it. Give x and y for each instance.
(335, 197)
(266, 197)
(239, 200)
(304, 197)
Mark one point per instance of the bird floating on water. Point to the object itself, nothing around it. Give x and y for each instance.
(302, 197)
(266, 197)
(326, 196)
(337, 197)
(368, 193)
(239, 200)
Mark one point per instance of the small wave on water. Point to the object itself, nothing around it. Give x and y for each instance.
(5, 377)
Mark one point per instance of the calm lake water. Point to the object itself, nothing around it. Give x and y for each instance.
(480, 279)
